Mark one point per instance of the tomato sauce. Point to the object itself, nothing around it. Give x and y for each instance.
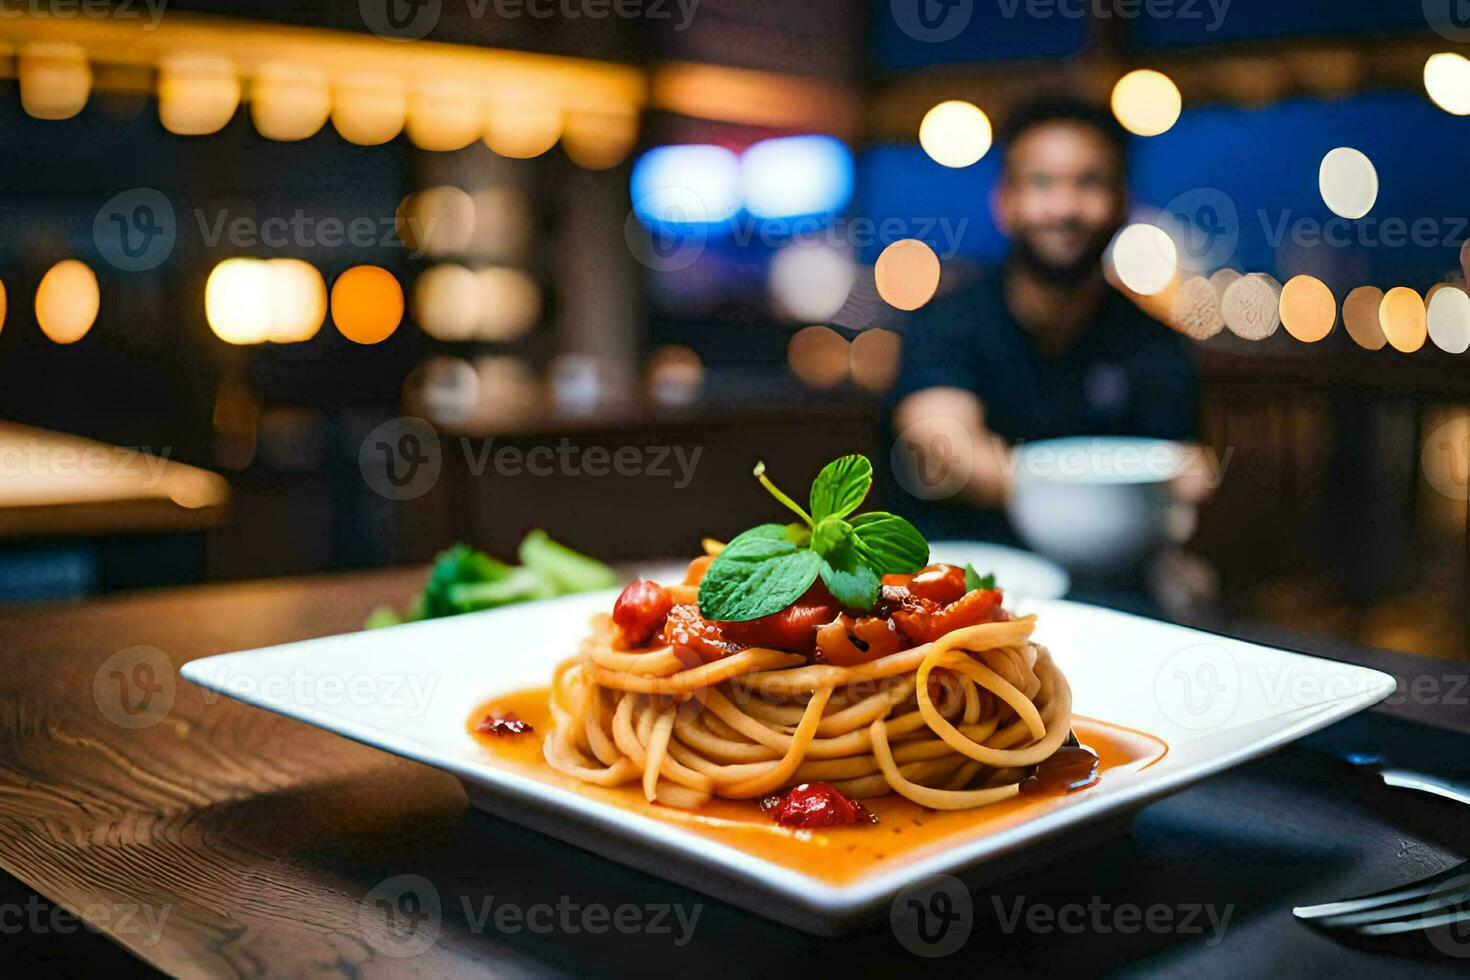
(903, 831)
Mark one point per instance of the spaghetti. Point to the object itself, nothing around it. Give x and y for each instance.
(950, 721)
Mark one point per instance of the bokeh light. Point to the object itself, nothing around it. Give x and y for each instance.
(1449, 320)
(1348, 181)
(1447, 80)
(446, 302)
(508, 301)
(1195, 309)
(369, 110)
(444, 390)
(1146, 102)
(685, 185)
(1360, 317)
(955, 133)
(599, 140)
(197, 94)
(873, 358)
(237, 301)
(298, 300)
(796, 175)
(521, 129)
(444, 118)
(1308, 309)
(1145, 258)
(907, 274)
(367, 304)
(1251, 306)
(818, 356)
(437, 221)
(2, 305)
(55, 80)
(289, 102)
(810, 281)
(67, 301)
(1404, 319)
(675, 376)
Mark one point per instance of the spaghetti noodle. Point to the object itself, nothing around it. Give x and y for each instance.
(954, 722)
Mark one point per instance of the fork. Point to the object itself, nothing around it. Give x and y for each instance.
(1436, 907)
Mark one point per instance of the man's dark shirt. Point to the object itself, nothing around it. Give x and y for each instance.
(1127, 374)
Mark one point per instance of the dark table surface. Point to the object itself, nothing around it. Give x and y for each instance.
(218, 839)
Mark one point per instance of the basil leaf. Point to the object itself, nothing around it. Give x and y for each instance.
(829, 535)
(849, 578)
(974, 580)
(890, 544)
(757, 574)
(841, 486)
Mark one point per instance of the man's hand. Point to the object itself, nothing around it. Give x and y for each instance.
(929, 422)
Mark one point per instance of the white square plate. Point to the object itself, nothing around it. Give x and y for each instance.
(409, 690)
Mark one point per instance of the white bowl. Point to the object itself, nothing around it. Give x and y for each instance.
(1097, 504)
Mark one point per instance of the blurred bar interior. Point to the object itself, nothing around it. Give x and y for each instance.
(244, 239)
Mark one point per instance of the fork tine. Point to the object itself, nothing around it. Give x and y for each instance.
(1415, 908)
(1457, 876)
(1424, 923)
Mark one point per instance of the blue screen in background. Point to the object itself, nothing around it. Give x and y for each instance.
(1265, 162)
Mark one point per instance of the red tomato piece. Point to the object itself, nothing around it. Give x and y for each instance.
(815, 805)
(640, 610)
(939, 583)
(923, 620)
(685, 629)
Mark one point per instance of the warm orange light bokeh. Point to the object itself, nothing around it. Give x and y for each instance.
(367, 304)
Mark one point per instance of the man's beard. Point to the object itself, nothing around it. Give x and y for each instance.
(1087, 264)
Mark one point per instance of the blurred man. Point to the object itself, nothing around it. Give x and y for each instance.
(1043, 346)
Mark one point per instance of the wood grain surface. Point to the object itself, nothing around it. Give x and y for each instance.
(207, 838)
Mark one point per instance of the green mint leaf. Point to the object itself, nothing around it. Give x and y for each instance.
(974, 580)
(757, 574)
(841, 486)
(849, 578)
(889, 544)
(830, 534)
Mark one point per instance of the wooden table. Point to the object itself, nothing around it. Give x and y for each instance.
(54, 484)
(223, 840)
